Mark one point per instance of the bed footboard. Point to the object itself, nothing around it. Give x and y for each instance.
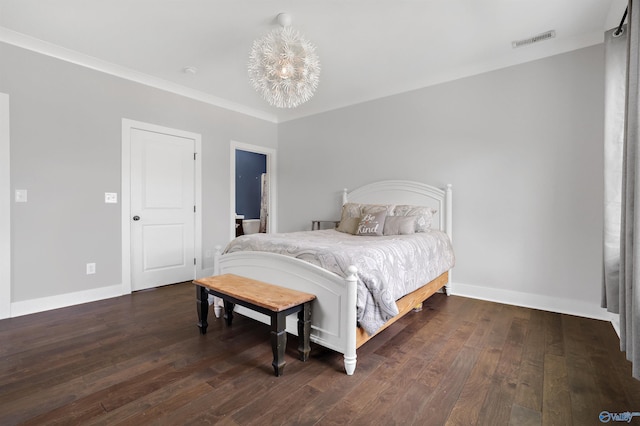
(333, 322)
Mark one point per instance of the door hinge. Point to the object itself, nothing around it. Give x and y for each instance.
(194, 260)
(194, 209)
(194, 156)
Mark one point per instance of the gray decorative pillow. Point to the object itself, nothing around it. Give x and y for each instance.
(424, 215)
(357, 210)
(349, 225)
(372, 224)
(351, 210)
(399, 225)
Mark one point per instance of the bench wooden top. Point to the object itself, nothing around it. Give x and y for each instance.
(268, 296)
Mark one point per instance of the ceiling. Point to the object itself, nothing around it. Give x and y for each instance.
(368, 48)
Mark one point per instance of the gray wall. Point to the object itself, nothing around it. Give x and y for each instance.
(522, 147)
(66, 127)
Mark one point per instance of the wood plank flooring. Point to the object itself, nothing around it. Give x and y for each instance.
(139, 359)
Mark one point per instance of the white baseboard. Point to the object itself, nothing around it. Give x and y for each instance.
(616, 324)
(509, 297)
(535, 301)
(42, 304)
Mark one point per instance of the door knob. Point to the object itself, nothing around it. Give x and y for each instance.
(136, 218)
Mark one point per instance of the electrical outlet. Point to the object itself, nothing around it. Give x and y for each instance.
(91, 268)
(208, 254)
(111, 197)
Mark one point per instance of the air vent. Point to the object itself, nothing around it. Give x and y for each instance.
(540, 37)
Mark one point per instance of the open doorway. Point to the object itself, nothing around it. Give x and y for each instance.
(253, 191)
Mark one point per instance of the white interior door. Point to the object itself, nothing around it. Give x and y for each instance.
(162, 209)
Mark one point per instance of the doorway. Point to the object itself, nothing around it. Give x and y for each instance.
(252, 193)
(160, 205)
(253, 188)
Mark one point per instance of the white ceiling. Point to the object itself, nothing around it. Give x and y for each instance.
(367, 48)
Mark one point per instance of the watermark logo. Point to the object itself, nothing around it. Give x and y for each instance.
(627, 416)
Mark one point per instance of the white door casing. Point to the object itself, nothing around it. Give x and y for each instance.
(5, 209)
(161, 187)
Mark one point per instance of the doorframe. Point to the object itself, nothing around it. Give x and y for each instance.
(272, 223)
(127, 126)
(5, 209)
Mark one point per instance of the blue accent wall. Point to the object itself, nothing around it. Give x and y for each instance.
(249, 168)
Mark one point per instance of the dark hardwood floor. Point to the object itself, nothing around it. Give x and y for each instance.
(140, 359)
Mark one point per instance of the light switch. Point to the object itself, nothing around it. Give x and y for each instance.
(110, 197)
(91, 268)
(21, 195)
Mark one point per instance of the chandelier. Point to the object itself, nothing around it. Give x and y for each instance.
(283, 66)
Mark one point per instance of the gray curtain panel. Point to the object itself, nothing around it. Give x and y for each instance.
(615, 88)
(627, 292)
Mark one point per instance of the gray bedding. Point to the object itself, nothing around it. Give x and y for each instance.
(389, 267)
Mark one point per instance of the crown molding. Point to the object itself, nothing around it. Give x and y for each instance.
(513, 57)
(49, 49)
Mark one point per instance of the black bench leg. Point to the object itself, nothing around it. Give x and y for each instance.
(278, 342)
(228, 311)
(304, 331)
(202, 306)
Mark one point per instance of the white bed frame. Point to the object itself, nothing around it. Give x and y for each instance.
(333, 322)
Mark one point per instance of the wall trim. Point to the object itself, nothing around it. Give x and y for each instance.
(534, 301)
(5, 208)
(49, 49)
(559, 46)
(615, 322)
(42, 304)
(508, 297)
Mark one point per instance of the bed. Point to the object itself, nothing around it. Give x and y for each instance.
(340, 320)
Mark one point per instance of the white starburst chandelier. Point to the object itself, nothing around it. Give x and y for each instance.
(283, 66)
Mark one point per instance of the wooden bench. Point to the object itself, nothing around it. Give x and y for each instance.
(275, 301)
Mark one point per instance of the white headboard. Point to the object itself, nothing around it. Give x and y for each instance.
(407, 192)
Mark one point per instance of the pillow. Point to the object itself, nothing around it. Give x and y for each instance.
(376, 208)
(357, 210)
(350, 210)
(372, 224)
(399, 225)
(349, 225)
(424, 215)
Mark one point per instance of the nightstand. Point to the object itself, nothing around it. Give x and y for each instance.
(317, 224)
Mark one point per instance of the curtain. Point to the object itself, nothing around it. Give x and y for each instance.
(615, 87)
(621, 289)
(264, 203)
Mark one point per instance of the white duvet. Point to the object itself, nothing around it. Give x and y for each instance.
(388, 266)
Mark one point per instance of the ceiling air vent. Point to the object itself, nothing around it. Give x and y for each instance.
(540, 37)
